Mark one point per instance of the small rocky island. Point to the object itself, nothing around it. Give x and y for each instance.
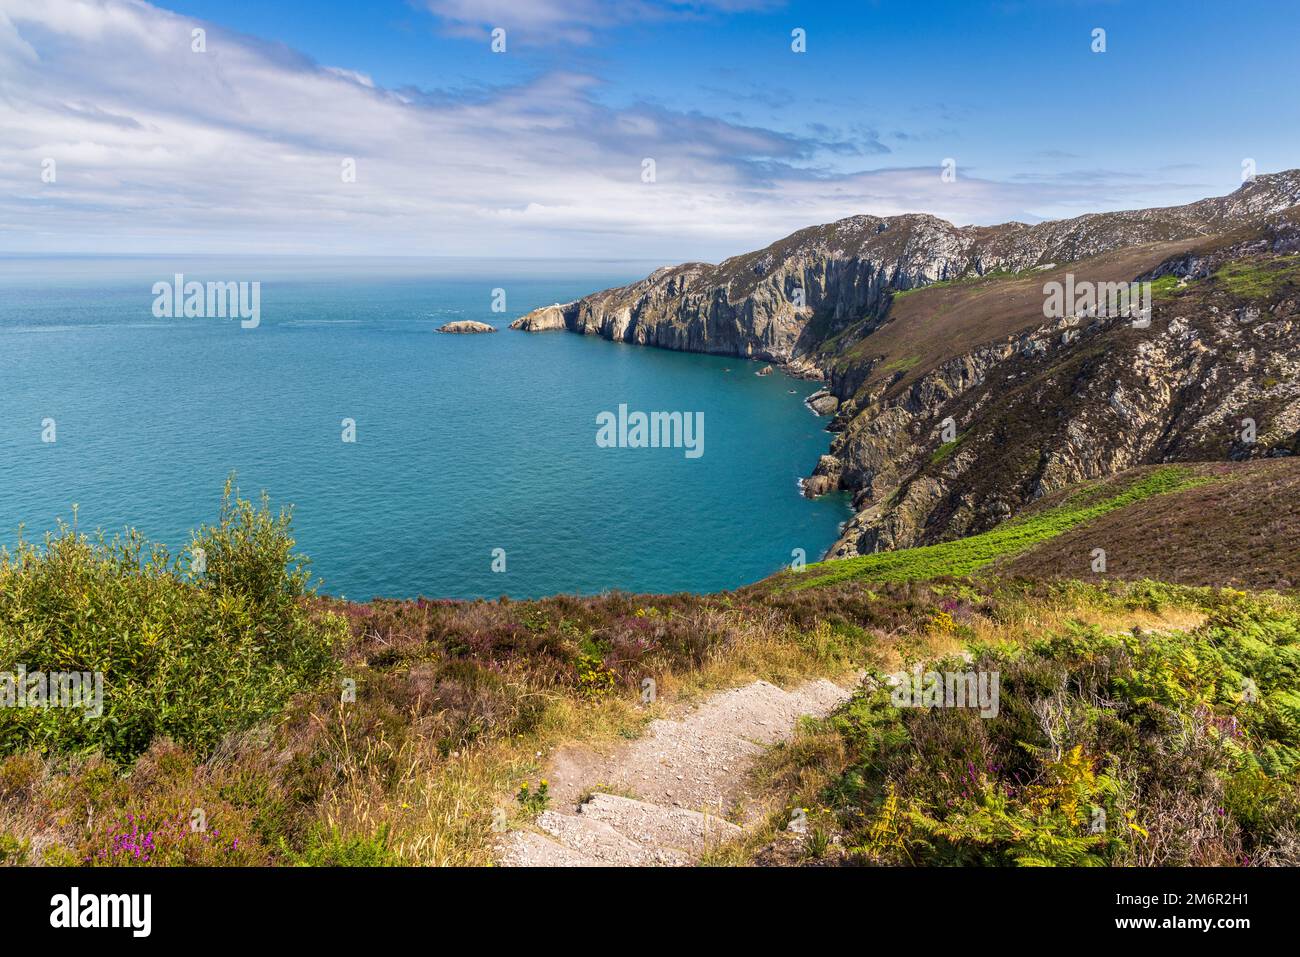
(466, 327)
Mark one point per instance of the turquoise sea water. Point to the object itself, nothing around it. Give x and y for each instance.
(464, 444)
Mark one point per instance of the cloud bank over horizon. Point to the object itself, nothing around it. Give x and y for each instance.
(246, 146)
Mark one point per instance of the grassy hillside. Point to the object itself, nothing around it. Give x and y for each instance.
(965, 556)
(929, 325)
(1202, 524)
(1237, 525)
(249, 722)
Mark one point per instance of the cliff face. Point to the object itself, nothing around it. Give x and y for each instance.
(1215, 376)
(780, 303)
(925, 331)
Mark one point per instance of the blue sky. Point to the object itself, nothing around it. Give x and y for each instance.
(539, 151)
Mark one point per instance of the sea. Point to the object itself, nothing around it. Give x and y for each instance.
(416, 463)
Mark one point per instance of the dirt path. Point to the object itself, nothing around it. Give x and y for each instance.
(670, 794)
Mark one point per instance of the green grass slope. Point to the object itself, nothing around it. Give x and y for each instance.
(1239, 527)
(1211, 523)
(966, 556)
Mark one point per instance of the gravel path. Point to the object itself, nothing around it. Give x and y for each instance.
(664, 798)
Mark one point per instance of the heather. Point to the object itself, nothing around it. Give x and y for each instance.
(263, 724)
(1110, 747)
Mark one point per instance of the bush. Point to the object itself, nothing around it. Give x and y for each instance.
(1129, 748)
(183, 651)
(329, 848)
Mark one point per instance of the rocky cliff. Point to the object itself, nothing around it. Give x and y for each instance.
(779, 303)
(956, 403)
(1216, 375)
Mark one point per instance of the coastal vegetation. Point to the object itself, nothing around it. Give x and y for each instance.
(1260, 278)
(965, 556)
(195, 647)
(1142, 747)
(249, 721)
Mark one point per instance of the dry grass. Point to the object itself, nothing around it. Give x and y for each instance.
(440, 810)
(934, 323)
(1236, 531)
(431, 747)
(795, 773)
(457, 703)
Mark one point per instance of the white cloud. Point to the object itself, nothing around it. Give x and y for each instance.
(574, 21)
(241, 148)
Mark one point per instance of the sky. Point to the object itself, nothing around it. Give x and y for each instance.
(632, 129)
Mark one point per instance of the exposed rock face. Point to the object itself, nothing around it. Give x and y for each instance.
(1034, 404)
(1042, 411)
(827, 478)
(782, 302)
(466, 327)
(823, 402)
(541, 320)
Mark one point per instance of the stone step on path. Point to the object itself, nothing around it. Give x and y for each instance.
(687, 773)
(614, 831)
(681, 834)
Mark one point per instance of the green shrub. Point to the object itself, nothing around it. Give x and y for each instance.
(1185, 746)
(184, 652)
(329, 848)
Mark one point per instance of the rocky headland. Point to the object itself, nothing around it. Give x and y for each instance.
(955, 401)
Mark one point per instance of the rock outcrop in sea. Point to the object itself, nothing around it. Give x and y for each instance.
(466, 327)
